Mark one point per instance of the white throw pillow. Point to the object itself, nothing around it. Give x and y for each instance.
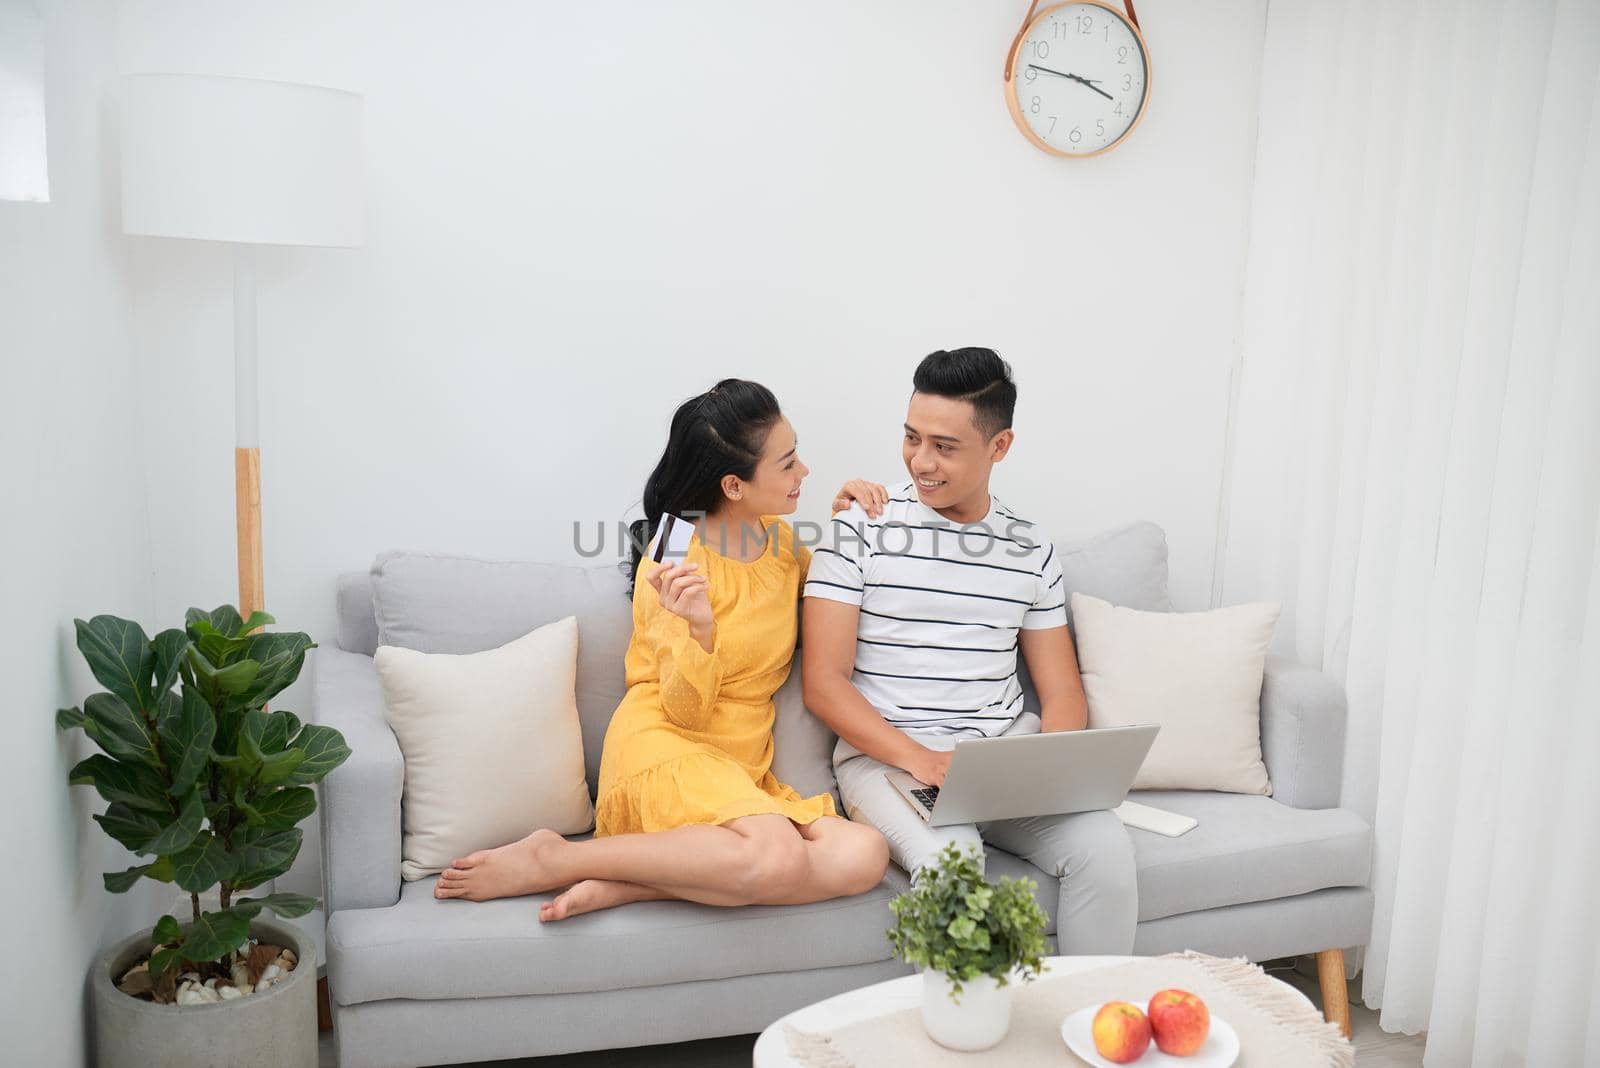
(491, 743)
(1196, 674)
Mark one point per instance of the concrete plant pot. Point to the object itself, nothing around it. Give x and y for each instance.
(273, 1029)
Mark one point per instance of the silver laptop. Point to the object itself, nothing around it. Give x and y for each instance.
(1031, 775)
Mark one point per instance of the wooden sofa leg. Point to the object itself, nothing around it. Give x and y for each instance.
(1335, 994)
(324, 1010)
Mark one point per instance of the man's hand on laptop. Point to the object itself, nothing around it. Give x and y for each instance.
(929, 766)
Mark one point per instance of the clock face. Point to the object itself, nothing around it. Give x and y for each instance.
(1079, 79)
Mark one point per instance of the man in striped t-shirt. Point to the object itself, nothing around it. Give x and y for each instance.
(915, 612)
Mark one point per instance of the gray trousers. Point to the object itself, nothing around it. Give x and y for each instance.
(1088, 851)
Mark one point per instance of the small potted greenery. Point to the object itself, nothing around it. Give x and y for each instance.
(971, 938)
(207, 787)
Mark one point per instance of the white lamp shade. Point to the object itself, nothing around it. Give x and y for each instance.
(235, 159)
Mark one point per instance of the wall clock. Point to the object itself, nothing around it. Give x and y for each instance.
(1078, 77)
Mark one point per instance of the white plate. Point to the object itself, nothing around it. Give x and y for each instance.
(1220, 1050)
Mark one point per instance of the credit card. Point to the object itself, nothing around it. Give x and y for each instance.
(671, 543)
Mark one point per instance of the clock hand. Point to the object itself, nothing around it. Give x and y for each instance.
(1047, 70)
(1091, 85)
(1073, 77)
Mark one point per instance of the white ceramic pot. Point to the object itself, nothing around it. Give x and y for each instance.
(979, 1020)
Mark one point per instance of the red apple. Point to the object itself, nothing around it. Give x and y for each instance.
(1121, 1032)
(1180, 1021)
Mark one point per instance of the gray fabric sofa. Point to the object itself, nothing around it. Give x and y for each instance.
(419, 981)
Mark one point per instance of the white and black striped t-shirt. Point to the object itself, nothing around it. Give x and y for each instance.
(941, 608)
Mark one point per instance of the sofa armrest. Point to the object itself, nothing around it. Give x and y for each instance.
(1302, 733)
(360, 809)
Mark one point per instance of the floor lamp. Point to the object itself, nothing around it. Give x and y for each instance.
(250, 163)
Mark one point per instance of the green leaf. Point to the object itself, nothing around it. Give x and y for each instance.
(237, 677)
(68, 718)
(163, 960)
(136, 785)
(279, 767)
(266, 858)
(187, 739)
(282, 809)
(224, 619)
(118, 882)
(324, 749)
(119, 655)
(119, 730)
(232, 679)
(241, 766)
(169, 647)
(216, 648)
(252, 727)
(161, 870)
(257, 619)
(281, 656)
(177, 835)
(277, 730)
(204, 864)
(215, 934)
(167, 931)
(286, 905)
(128, 826)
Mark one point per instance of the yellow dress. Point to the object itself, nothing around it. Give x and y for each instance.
(692, 740)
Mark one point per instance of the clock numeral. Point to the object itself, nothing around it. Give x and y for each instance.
(1075, 135)
(1041, 49)
(1108, 34)
(1127, 81)
(1100, 127)
(1118, 109)
(1034, 107)
(1052, 129)
(1029, 74)
(1122, 54)
(1085, 22)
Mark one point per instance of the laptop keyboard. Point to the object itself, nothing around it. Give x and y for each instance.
(927, 795)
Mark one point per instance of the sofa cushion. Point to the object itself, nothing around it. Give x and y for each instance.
(425, 948)
(455, 604)
(1196, 675)
(1245, 849)
(491, 744)
(802, 745)
(1126, 565)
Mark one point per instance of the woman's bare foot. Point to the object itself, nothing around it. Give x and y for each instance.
(523, 867)
(591, 895)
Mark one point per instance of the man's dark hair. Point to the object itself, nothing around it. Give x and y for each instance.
(978, 376)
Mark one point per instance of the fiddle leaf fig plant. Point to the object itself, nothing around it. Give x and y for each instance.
(954, 922)
(203, 783)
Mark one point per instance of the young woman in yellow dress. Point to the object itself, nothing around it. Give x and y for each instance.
(688, 806)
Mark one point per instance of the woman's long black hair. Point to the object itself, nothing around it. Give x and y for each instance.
(721, 432)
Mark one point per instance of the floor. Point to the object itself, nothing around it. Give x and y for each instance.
(1374, 1047)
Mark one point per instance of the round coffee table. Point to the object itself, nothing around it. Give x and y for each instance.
(879, 999)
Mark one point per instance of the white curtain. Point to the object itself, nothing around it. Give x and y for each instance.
(1414, 471)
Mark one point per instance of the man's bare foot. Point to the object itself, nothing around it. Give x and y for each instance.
(523, 867)
(591, 895)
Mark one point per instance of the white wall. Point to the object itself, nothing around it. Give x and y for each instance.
(73, 538)
(581, 213)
